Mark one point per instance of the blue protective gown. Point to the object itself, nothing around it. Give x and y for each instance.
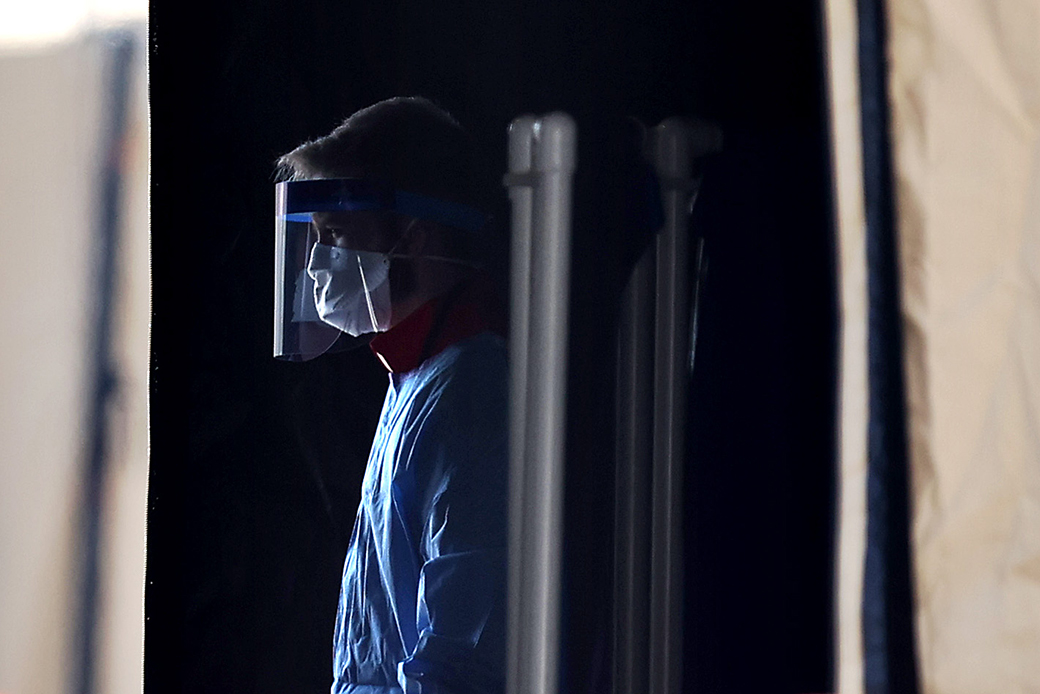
(422, 603)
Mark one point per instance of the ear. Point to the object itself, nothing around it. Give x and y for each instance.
(416, 238)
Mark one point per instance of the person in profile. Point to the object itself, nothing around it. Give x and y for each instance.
(389, 206)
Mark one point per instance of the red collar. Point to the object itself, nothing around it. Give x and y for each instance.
(461, 313)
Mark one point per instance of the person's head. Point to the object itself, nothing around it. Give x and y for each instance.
(416, 147)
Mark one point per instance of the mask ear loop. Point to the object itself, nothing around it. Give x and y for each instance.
(364, 281)
(400, 239)
(439, 258)
(368, 295)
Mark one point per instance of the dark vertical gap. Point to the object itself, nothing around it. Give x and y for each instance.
(119, 48)
(761, 431)
(888, 641)
(164, 659)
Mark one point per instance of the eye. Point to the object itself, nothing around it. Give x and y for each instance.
(328, 234)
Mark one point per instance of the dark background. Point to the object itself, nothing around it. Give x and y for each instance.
(256, 464)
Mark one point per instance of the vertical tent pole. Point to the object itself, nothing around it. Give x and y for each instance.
(671, 148)
(654, 342)
(539, 338)
(521, 154)
(635, 403)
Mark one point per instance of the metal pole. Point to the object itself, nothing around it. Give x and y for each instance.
(657, 331)
(635, 403)
(521, 160)
(538, 449)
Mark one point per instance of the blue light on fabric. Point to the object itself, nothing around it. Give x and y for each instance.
(422, 601)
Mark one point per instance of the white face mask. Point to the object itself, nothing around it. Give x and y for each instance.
(351, 288)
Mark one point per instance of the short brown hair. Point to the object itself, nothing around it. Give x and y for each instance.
(409, 142)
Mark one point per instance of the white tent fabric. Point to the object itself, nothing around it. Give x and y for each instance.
(847, 162)
(965, 94)
(45, 203)
(51, 109)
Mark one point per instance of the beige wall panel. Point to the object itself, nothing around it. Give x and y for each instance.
(49, 106)
(965, 88)
(121, 627)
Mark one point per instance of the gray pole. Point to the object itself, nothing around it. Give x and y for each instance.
(539, 337)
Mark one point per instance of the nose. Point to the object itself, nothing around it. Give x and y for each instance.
(320, 262)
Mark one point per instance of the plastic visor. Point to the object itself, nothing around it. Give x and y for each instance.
(299, 333)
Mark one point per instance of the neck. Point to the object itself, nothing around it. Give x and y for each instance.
(433, 279)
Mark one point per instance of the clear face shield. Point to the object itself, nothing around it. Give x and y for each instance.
(327, 298)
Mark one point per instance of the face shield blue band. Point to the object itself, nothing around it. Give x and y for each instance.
(299, 332)
(303, 198)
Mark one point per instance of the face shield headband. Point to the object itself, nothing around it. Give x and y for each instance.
(299, 331)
